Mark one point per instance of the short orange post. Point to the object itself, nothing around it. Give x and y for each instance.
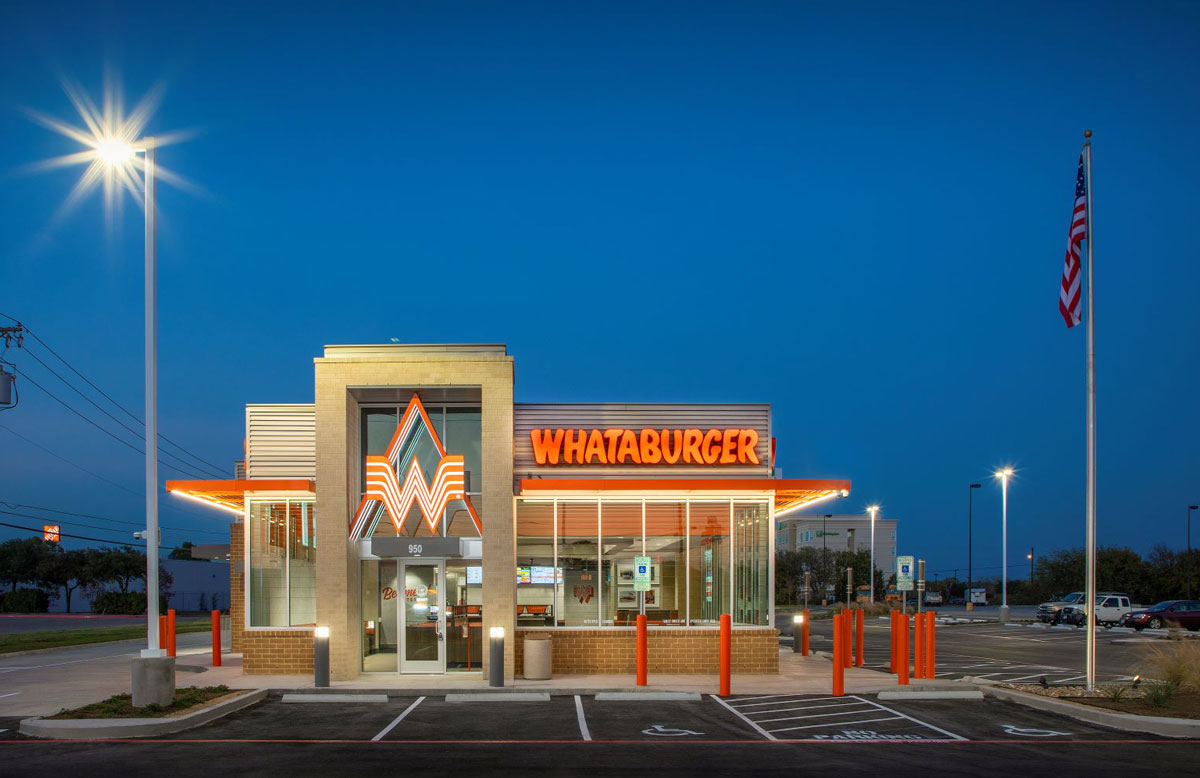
(848, 634)
(641, 649)
(892, 646)
(162, 632)
(216, 638)
(930, 630)
(859, 630)
(902, 649)
(804, 635)
(839, 646)
(726, 651)
(171, 632)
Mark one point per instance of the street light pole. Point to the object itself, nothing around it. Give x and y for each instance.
(970, 546)
(152, 648)
(1031, 564)
(874, 509)
(1004, 475)
(1187, 570)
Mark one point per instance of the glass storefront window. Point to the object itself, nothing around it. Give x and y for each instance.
(380, 632)
(282, 564)
(464, 615)
(621, 523)
(708, 561)
(577, 599)
(666, 540)
(751, 563)
(536, 577)
(464, 433)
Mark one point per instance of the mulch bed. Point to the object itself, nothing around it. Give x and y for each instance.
(120, 706)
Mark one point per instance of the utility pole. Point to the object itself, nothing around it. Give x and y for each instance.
(970, 578)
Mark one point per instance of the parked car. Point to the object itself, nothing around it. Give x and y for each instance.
(1110, 609)
(1184, 613)
(933, 598)
(958, 601)
(1050, 612)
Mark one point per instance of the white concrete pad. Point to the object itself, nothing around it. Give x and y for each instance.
(647, 696)
(335, 698)
(500, 697)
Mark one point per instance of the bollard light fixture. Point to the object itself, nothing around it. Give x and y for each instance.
(496, 632)
(321, 632)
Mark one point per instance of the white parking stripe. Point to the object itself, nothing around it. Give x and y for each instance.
(816, 716)
(583, 727)
(802, 707)
(397, 720)
(757, 728)
(785, 698)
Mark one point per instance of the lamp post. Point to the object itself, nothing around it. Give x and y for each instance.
(1187, 571)
(1029, 556)
(1004, 474)
(874, 509)
(970, 491)
(824, 556)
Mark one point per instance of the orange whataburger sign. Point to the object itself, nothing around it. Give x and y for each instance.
(647, 446)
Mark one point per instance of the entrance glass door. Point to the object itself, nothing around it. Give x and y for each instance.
(423, 618)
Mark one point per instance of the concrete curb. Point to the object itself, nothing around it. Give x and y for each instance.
(648, 696)
(355, 698)
(108, 729)
(500, 697)
(1128, 722)
(933, 694)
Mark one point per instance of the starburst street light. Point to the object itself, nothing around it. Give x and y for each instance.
(1004, 474)
(113, 141)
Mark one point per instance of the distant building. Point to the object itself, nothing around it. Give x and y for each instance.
(840, 533)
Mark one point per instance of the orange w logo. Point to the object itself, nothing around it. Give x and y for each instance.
(449, 481)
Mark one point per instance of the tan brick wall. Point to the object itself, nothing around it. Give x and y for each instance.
(673, 651)
(277, 652)
(237, 586)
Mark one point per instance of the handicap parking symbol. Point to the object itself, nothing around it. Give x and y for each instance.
(661, 731)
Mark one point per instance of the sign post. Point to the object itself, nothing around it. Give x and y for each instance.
(641, 580)
(904, 580)
(920, 583)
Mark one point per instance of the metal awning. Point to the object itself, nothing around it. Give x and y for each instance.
(791, 494)
(230, 495)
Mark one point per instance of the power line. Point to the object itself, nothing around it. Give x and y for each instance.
(77, 537)
(97, 406)
(93, 516)
(106, 396)
(122, 441)
(75, 523)
(76, 465)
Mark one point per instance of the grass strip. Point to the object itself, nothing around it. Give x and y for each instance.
(54, 638)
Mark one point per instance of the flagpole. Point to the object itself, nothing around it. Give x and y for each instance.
(1090, 583)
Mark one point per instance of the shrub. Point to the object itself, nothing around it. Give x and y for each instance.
(26, 601)
(124, 603)
(1160, 693)
(1177, 663)
(1116, 692)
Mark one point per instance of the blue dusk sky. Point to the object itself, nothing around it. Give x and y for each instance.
(855, 211)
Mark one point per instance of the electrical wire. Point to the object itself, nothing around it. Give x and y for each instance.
(135, 433)
(98, 518)
(77, 523)
(106, 396)
(79, 537)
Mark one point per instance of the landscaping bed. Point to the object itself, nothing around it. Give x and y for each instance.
(120, 706)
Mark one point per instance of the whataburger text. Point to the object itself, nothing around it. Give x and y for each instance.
(616, 446)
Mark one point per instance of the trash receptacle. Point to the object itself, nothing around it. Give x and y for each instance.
(537, 650)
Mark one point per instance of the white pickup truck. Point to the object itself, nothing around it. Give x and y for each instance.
(1110, 607)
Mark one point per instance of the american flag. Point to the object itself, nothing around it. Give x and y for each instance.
(1069, 299)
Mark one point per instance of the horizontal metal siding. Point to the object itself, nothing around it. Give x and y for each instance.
(281, 441)
(636, 416)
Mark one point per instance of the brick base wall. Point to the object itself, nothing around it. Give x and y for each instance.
(283, 652)
(237, 586)
(672, 651)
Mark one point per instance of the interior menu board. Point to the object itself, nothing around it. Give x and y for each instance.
(541, 575)
(523, 575)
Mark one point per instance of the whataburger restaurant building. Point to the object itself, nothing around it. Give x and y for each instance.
(414, 506)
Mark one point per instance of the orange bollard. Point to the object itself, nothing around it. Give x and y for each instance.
(726, 650)
(859, 630)
(162, 632)
(847, 634)
(641, 649)
(216, 638)
(804, 635)
(919, 646)
(171, 632)
(839, 670)
(930, 630)
(902, 650)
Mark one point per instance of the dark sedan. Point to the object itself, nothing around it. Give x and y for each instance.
(1171, 613)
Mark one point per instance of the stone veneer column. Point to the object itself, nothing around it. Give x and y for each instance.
(337, 442)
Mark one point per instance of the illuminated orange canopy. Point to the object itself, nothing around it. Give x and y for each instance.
(231, 494)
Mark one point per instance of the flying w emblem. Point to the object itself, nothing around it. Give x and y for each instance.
(383, 487)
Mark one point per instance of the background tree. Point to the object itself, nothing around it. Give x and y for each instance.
(120, 566)
(19, 560)
(183, 551)
(65, 569)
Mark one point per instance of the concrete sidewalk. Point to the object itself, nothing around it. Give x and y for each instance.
(810, 675)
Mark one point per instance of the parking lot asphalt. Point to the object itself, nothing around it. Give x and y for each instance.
(574, 734)
(1014, 653)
